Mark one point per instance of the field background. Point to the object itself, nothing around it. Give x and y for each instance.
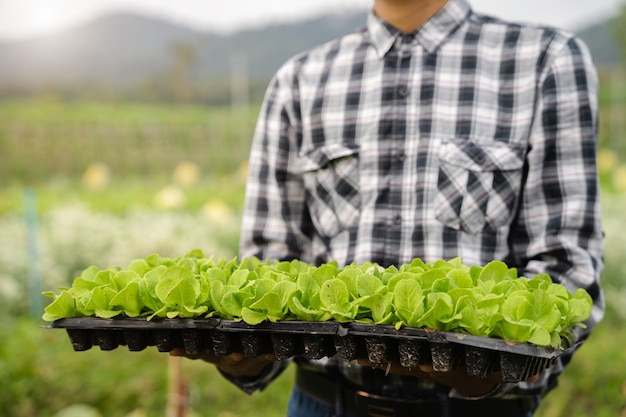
(86, 183)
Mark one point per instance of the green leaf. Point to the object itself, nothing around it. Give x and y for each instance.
(546, 314)
(461, 278)
(401, 276)
(494, 271)
(270, 304)
(368, 284)
(324, 273)
(253, 317)
(518, 306)
(233, 302)
(178, 287)
(139, 266)
(129, 300)
(121, 279)
(101, 299)
(334, 292)
(62, 307)
(408, 302)
(580, 307)
(335, 298)
(439, 309)
(380, 306)
(239, 278)
(310, 313)
(284, 290)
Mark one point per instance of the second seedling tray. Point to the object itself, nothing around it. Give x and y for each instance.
(315, 340)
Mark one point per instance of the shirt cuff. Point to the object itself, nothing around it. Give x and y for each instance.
(250, 385)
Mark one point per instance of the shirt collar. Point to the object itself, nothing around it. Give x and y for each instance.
(430, 35)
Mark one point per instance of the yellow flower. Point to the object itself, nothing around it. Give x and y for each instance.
(97, 176)
(217, 211)
(186, 174)
(607, 160)
(619, 179)
(170, 197)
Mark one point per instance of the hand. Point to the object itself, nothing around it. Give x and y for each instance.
(456, 378)
(235, 364)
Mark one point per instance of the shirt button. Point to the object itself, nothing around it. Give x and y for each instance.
(397, 219)
(403, 91)
(408, 38)
(400, 156)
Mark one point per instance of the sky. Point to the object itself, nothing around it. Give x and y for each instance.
(22, 19)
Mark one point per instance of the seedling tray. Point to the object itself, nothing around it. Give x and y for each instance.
(315, 340)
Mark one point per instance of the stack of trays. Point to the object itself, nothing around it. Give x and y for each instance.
(315, 340)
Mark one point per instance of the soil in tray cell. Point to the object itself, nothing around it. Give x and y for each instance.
(318, 346)
(255, 344)
(480, 362)
(349, 348)
(286, 345)
(515, 367)
(378, 349)
(413, 353)
(225, 343)
(445, 356)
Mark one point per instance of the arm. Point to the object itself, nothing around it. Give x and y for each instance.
(275, 221)
(558, 230)
(274, 224)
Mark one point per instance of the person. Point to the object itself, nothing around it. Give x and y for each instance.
(435, 132)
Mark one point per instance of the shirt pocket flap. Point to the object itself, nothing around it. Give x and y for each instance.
(481, 157)
(320, 157)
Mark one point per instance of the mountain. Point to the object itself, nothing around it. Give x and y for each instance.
(123, 52)
(120, 51)
(601, 41)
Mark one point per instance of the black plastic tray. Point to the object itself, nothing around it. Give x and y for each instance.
(315, 340)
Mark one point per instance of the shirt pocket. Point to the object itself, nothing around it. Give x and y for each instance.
(331, 178)
(478, 184)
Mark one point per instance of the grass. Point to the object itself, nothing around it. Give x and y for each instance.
(43, 139)
(40, 375)
(122, 195)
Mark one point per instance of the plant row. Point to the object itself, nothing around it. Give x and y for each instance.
(490, 300)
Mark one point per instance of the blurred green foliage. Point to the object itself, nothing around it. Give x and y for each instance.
(41, 375)
(40, 139)
(111, 165)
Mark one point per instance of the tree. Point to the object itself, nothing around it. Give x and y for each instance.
(184, 57)
(619, 29)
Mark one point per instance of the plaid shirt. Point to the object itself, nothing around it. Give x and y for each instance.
(471, 138)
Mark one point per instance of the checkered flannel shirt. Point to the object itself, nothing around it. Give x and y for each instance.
(471, 137)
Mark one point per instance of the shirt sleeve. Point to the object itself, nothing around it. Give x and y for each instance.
(559, 227)
(275, 222)
(250, 385)
(558, 230)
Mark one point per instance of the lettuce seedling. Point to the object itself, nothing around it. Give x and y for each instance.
(305, 303)
(335, 299)
(62, 307)
(490, 300)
